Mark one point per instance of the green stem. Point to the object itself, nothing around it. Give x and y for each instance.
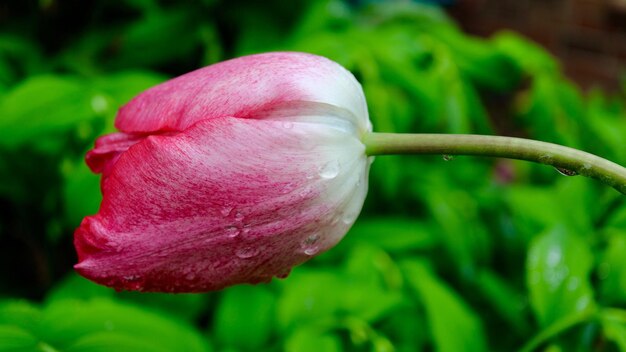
(570, 161)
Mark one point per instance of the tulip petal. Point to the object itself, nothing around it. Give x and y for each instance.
(243, 88)
(225, 201)
(108, 149)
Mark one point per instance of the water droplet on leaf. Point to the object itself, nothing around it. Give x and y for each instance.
(99, 104)
(573, 283)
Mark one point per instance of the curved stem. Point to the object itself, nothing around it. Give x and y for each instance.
(569, 161)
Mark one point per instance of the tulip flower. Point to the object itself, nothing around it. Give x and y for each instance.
(239, 171)
(229, 174)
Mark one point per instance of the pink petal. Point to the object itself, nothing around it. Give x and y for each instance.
(108, 149)
(226, 201)
(246, 87)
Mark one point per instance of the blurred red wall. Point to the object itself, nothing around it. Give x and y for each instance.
(589, 36)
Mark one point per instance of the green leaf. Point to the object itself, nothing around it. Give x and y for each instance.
(570, 203)
(81, 191)
(463, 233)
(312, 340)
(391, 234)
(45, 105)
(323, 295)
(509, 303)
(157, 38)
(76, 287)
(186, 306)
(546, 114)
(612, 268)
(530, 56)
(405, 329)
(245, 308)
(478, 60)
(66, 322)
(115, 341)
(614, 326)
(373, 266)
(557, 275)
(19, 313)
(18, 58)
(15, 339)
(453, 325)
(123, 86)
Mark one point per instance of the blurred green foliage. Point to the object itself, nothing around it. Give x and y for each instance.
(461, 255)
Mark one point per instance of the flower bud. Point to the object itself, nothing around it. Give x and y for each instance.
(230, 174)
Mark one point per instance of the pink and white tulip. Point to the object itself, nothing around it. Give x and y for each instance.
(230, 174)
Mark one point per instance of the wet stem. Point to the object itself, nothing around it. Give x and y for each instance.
(566, 160)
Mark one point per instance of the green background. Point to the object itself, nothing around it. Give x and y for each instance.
(469, 254)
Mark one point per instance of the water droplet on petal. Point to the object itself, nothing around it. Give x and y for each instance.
(359, 181)
(226, 210)
(566, 172)
(288, 188)
(283, 275)
(232, 231)
(330, 170)
(311, 250)
(311, 239)
(133, 282)
(247, 252)
(447, 157)
(309, 244)
(349, 218)
(288, 125)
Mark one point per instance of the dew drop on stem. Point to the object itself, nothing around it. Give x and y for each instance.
(566, 172)
(447, 157)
